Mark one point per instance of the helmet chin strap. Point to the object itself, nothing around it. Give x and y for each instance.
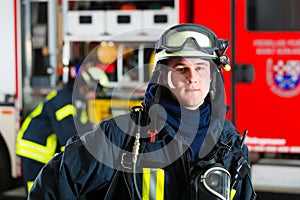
(170, 83)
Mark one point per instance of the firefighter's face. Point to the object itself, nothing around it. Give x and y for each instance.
(87, 92)
(188, 80)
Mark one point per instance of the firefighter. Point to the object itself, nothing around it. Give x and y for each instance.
(178, 145)
(47, 128)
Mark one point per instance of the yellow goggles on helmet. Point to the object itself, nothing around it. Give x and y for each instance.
(189, 40)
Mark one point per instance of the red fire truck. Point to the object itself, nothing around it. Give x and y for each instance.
(10, 97)
(265, 49)
(263, 88)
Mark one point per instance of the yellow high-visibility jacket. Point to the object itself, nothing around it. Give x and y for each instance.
(45, 132)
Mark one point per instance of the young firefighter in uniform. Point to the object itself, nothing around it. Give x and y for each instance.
(47, 128)
(178, 145)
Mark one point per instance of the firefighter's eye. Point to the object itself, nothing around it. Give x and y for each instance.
(181, 69)
(199, 68)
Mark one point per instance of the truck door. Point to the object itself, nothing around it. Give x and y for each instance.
(266, 73)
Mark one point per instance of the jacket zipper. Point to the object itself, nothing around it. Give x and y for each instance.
(187, 166)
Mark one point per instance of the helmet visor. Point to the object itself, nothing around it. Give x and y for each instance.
(188, 37)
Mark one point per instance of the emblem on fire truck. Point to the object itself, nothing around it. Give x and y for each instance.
(283, 77)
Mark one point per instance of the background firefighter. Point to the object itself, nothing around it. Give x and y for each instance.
(47, 128)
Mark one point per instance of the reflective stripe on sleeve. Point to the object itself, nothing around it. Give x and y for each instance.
(51, 95)
(37, 111)
(37, 151)
(65, 111)
(31, 149)
(84, 117)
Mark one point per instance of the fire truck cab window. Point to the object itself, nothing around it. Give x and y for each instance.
(273, 15)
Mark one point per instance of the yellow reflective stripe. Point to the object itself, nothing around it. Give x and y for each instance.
(29, 186)
(65, 111)
(153, 184)
(84, 117)
(160, 182)
(36, 151)
(31, 149)
(51, 95)
(37, 111)
(146, 184)
(232, 193)
(62, 148)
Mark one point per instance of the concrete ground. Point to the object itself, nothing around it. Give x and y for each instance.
(19, 194)
(14, 194)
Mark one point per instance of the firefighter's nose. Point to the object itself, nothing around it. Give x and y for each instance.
(191, 76)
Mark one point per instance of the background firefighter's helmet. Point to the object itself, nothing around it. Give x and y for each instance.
(93, 76)
(85, 73)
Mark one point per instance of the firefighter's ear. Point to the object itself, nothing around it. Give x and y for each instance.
(212, 90)
(164, 76)
(161, 71)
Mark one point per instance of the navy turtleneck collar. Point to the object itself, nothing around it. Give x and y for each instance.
(192, 125)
